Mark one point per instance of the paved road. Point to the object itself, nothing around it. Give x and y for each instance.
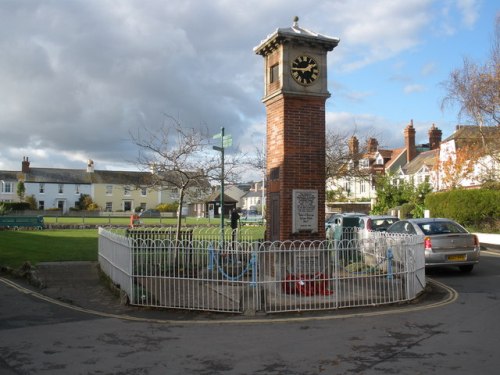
(459, 337)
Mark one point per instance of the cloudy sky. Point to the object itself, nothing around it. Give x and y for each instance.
(77, 76)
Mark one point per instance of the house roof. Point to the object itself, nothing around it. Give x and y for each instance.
(57, 175)
(473, 134)
(120, 177)
(8, 175)
(426, 158)
(396, 154)
(215, 197)
(80, 176)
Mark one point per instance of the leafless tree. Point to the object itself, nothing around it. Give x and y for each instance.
(343, 161)
(476, 87)
(180, 157)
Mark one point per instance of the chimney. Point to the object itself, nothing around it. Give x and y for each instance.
(25, 165)
(411, 149)
(353, 146)
(372, 145)
(434, 137)
(90, 166)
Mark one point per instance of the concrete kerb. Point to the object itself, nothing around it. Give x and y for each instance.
(92, 295)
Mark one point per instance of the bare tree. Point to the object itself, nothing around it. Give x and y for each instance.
(476, 88)
(177, 156)
(342, 159)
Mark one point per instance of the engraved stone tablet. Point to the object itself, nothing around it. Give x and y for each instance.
(305, 210)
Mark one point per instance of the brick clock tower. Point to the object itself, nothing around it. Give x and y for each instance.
(295, 94)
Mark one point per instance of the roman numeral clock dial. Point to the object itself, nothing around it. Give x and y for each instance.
(305, 70)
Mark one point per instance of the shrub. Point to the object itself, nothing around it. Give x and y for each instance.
(16, 206)
(478, 207)
(168, 207)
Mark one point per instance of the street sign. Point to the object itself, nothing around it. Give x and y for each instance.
(227, 141)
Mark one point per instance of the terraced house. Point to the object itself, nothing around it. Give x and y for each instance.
(61, 188)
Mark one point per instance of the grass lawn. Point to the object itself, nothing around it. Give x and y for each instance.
(35, 246)
(116, 220)
(17, 247)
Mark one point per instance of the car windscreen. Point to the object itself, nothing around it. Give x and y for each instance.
(383, 224)
(440, 227)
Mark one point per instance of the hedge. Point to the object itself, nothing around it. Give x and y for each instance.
(16, 206)
(468, 207)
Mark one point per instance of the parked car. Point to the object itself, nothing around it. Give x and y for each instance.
(377, 223)
(338, 219)
(150, 213)
(365, 223)
(445, 242)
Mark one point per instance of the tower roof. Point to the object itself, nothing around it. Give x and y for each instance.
(297, 33)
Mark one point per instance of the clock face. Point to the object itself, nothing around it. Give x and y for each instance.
(305, 70)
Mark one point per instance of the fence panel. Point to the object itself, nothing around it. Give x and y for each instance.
(114, 255)
(207, 274)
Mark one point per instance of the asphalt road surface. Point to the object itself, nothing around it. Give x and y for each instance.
(459, 336)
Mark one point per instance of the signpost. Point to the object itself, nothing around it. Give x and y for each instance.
(226, 141)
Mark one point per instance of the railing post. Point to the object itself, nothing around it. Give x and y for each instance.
(210, 257)
(390, 257)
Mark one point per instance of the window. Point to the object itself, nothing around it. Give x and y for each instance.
(379, 160)
(109, 189)
(77, 189)
(7, 187)
(274, 173)
(126, 191)
(144, 191)
(274, 73)
(127, 206)
(41, 188)
(364, 163)
(362, 187)
(41, 205)
(61, 189)
(109, 206)
(76, 204)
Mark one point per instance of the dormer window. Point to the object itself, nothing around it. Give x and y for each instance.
(379, 160)
(364, 163)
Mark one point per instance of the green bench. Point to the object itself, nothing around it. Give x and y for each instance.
(17, 222)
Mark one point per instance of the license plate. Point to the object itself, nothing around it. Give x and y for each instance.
(456, 258)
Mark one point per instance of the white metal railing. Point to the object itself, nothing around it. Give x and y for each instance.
(204, 273)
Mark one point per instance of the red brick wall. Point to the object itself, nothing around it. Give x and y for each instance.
(296, 145)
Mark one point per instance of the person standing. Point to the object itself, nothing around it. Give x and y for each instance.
(235, 216)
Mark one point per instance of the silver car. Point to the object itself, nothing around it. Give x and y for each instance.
(446, 243)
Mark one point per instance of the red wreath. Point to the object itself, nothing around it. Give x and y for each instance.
(306, 285)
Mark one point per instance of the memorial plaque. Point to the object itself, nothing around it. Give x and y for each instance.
(305, 211)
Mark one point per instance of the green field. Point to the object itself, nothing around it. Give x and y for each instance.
(17, 247)
(117, 220)
(35, 246)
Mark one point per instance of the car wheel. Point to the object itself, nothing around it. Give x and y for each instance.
(467, 268)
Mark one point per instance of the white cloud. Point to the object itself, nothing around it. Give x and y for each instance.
(413, 88)
(469, 11)
(428, 69)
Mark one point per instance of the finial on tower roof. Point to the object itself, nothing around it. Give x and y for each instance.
(296, 21)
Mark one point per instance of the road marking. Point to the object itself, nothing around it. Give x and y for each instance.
(491, 252)
(451, 297)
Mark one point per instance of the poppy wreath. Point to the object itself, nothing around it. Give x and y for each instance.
(306, 285)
